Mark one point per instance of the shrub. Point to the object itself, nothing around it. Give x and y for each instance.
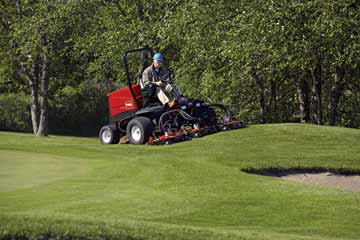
(15, 112)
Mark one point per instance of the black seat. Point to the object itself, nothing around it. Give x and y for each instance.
(148, 94)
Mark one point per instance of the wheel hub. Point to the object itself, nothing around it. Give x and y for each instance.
(136, 133)
(106, 136)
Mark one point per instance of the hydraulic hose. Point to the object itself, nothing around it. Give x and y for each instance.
(183, 114)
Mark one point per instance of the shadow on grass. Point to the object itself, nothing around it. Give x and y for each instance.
(280, 172)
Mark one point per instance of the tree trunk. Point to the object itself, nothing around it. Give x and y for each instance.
(43, 124)
(33, 82)
(335, 94)
(273, 99)
(139, 10)
(304, 98)
(316, 103)
(260, 82)
(39, 112)
(17, 6)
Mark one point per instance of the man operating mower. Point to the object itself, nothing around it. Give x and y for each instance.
(156, 74)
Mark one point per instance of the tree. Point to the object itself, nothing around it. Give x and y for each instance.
(341, 29)
(39, 35)
(29, 50)
(270, 61)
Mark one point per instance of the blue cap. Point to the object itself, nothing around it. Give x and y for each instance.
(158, 57)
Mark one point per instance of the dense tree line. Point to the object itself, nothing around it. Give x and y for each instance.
(271, 61)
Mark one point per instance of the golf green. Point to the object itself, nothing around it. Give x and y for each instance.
(70, 187)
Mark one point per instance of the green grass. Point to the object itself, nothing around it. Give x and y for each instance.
(67, 187)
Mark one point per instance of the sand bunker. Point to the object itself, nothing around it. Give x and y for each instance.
(328, 179)
(341, 179)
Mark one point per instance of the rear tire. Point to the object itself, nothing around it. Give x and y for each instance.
(109, 134)
(139, 130)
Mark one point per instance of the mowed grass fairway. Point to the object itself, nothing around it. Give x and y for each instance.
(68, 187)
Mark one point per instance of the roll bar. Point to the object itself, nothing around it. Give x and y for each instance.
(125, 60)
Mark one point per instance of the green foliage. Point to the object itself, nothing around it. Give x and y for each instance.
(213, 49)
(15, 112)
(349, 113)
(80, 110)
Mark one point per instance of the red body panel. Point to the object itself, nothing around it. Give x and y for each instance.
(121, 100)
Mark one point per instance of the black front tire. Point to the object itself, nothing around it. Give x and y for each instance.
(109, 134)
(139, 130)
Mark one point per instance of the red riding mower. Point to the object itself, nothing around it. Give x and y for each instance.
(138, 117)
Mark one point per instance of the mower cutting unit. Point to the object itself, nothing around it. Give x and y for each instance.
(136, 116)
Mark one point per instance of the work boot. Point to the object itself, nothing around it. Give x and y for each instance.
(124, 140)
